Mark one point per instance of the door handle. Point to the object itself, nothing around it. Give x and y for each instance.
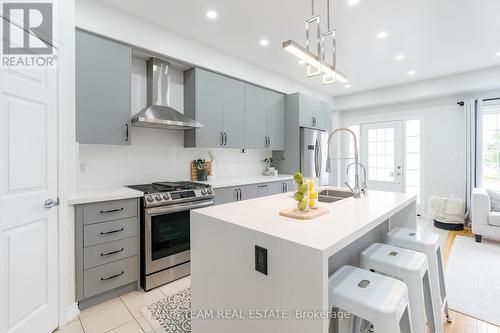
(239, 191)
(236, 194)
(50, 203)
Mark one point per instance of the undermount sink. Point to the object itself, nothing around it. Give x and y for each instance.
(330, 196)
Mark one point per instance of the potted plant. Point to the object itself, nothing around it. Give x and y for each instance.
(269, 166)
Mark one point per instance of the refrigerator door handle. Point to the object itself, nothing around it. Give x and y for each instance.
(316, 158)
(320, 160)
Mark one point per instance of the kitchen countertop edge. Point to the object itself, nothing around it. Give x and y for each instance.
(103, 194)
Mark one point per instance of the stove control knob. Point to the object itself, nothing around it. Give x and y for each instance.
(209, 191)
(149, 198)
(158, 197)
(203, 192)
(166, 196)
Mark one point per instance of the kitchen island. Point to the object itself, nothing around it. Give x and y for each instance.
(230, 295)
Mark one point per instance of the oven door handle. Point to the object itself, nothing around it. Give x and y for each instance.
(178, 207)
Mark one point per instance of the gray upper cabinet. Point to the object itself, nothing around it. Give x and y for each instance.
(313, 113)
(264, 118)
(102, 72)
(234, 113)
(276, 120)
(217, 102)
(204, 100)
(255, 117)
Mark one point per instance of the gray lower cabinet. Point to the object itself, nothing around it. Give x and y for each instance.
(103, 85)
(235, 193)
(238, 193)
(281, 187)
(217, 102)
(107, 239)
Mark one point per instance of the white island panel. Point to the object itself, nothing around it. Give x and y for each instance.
(301, 256)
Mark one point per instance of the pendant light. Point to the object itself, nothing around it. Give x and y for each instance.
(316, 63)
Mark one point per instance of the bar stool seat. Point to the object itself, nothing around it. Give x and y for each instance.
(427, 243)
(378, 299)
(410, 267)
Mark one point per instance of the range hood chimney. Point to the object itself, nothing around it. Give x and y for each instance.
(158, 113)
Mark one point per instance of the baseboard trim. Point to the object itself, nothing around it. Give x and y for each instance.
(72, 312)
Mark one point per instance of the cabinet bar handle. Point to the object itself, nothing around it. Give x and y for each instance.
(112, 252)
(126, 133)
(111, 211)
(113, 276)
(221, 139)
(112, 231)
(225, 139)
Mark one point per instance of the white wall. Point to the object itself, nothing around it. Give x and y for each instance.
(452, 85)
(443, 142)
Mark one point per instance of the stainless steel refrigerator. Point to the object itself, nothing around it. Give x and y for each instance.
(313, 152)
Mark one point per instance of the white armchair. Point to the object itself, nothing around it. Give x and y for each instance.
(485, 222)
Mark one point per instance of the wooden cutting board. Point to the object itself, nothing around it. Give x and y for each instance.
(299, 215)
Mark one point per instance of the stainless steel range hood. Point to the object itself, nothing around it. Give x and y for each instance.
(158, 113)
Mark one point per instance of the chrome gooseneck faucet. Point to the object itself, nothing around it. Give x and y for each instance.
(356, 191)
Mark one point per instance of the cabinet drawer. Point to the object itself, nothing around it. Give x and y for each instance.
(105, 232)
(109, 252)
(106, 277)
(109, 210)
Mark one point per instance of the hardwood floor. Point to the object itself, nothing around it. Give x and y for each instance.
(460, 322)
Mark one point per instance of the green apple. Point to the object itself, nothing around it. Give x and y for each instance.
(303, 188)
(302, 205)
(298, 196)
(298, 178)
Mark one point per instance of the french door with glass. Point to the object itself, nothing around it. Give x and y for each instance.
(382, 155)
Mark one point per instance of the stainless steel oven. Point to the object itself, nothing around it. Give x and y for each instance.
(167, 242)
(165, 228)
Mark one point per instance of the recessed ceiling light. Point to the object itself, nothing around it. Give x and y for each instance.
(382, 35)
(301, 62)
(264, 42)
(347, 86)
(412, 72)
(352, 2)
(400, 57)
(212, 14)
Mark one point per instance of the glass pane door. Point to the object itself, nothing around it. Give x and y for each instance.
(381, 153)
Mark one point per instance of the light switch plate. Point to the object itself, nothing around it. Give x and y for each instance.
(261, 259)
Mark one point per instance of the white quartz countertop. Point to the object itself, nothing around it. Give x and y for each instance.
(347, 220)
(103, 194)
(228, 182)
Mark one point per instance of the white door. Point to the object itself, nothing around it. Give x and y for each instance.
(382, 155)
(28, 177)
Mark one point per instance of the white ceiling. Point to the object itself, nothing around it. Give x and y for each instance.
(438, 37)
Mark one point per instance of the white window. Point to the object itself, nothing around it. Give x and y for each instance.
(491, 146)
(412, 160)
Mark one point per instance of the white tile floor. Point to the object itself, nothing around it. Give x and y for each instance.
(123, 314)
